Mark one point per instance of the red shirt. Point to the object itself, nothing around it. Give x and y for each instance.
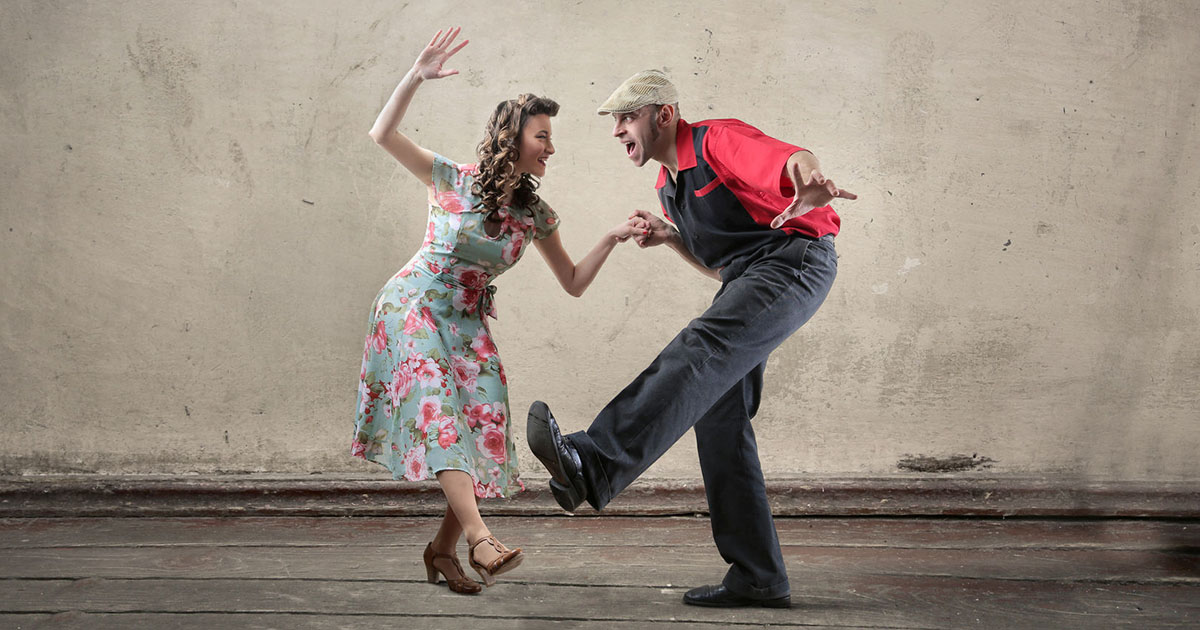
(751, 165)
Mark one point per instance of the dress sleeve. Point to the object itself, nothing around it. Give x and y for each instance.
(545, 220)
(448, 176)
(451, 185)
(750, 156)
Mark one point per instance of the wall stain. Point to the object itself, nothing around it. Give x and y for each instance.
(241, 170)
(360, 66)
(953, 463)
(911, 107)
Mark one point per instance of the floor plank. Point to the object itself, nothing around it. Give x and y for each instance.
(252, 621)
(610, 565)
(606, 572)
(870, 601)
(576, 531)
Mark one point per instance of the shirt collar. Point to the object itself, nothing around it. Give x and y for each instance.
(685, 153)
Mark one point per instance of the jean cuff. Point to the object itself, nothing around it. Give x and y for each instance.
(738, 586)
(599, 492)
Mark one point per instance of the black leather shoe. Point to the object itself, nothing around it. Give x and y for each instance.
(718, 596)
(557, 455)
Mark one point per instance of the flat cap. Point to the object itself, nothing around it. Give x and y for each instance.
(648, 87)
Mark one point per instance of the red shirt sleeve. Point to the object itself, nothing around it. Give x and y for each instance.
(737, 150)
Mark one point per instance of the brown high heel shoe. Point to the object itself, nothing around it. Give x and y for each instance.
(508, 560)
(458, 582)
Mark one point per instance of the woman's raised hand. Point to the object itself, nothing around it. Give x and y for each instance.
(429, 63)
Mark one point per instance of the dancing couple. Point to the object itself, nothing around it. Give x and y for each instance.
(744, 208)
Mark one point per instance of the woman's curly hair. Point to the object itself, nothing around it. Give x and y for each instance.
(500, 149)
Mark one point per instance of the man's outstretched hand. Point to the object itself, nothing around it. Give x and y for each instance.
(813, 190)
(656, 230)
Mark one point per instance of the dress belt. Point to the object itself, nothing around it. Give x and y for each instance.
(484, 303)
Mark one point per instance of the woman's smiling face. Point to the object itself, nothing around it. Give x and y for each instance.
(536, 146)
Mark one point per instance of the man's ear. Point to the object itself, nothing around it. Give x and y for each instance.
(666, 113)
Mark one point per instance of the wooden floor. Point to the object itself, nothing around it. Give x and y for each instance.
(594, 572)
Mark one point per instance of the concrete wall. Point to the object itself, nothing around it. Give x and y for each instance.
(193, 224)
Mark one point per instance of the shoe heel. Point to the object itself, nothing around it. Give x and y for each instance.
(574, 496)
(488, 579)
(430, 572)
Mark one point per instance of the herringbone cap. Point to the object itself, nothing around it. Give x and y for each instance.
(648, 87)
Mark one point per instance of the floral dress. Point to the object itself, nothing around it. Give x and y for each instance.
(432, 394)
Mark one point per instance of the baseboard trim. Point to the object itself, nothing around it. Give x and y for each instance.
(354, 495)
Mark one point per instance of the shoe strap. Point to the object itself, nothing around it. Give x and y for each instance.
(491, 540)
(453, 560)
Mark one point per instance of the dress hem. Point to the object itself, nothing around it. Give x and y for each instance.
(515, 487)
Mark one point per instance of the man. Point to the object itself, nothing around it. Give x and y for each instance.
(750, 211)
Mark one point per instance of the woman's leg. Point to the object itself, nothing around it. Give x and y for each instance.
(446, 540)
(441, 555)
(464, 508)
(460, 493)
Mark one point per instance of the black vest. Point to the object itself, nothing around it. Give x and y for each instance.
(713, 223)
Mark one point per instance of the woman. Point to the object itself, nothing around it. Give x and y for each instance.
(432, 394)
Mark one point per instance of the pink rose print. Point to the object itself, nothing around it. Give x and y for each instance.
(483, 346)
(419, 319)
(450, 202)
(447, 432)
(474, 279)
(429, 234)
(512, 251)
(414, 463)
(366, 397)
(430, 413)
(491, 443)
(429, 373)
(503, 378)
(358, 449)
(499, 415)
(378, 339)
(464, 372)
(471, 277)
(453, 329)
(466, 300)
(401, 384)
(477, 413)
(486, 491)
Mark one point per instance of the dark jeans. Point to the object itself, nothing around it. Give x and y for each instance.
(710, 377)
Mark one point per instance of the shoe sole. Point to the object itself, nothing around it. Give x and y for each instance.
(765, 603)
(569, 493)
(510, 565)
